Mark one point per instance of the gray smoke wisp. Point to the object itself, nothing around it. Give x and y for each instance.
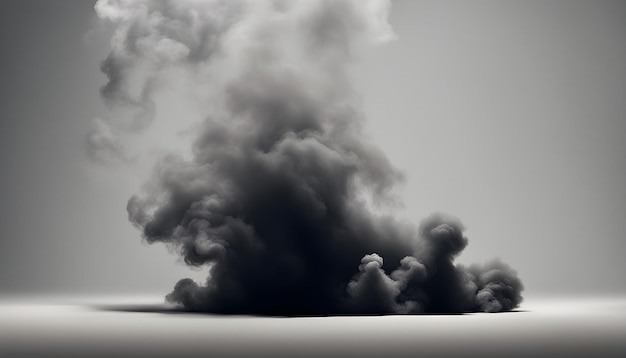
(276, 199)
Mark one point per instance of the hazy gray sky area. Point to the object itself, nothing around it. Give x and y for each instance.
(509, 115)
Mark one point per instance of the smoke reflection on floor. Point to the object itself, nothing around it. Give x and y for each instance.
(138, 327)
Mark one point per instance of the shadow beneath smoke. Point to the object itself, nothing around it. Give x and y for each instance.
(166, 309)
(156, 308)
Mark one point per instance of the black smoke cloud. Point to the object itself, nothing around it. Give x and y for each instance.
(278, 198)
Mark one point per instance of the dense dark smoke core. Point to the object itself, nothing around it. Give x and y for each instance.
(276, 199)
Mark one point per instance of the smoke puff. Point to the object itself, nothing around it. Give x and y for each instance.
(498, 287)
(373, 290)
(275, 199)
(443, 236)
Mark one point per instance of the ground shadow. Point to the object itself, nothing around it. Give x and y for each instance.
(167, 309)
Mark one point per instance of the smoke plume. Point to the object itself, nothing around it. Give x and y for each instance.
(277, 198)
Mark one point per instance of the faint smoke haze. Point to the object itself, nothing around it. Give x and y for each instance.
(283, 199)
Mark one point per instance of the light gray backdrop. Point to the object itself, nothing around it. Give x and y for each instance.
(508, 114)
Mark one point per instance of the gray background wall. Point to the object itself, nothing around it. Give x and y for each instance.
(508, 114)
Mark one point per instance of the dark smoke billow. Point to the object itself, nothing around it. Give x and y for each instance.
(276, 198)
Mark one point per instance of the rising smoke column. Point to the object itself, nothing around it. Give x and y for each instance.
(275, 200)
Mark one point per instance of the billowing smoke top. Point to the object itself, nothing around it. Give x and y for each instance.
(275, 199)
